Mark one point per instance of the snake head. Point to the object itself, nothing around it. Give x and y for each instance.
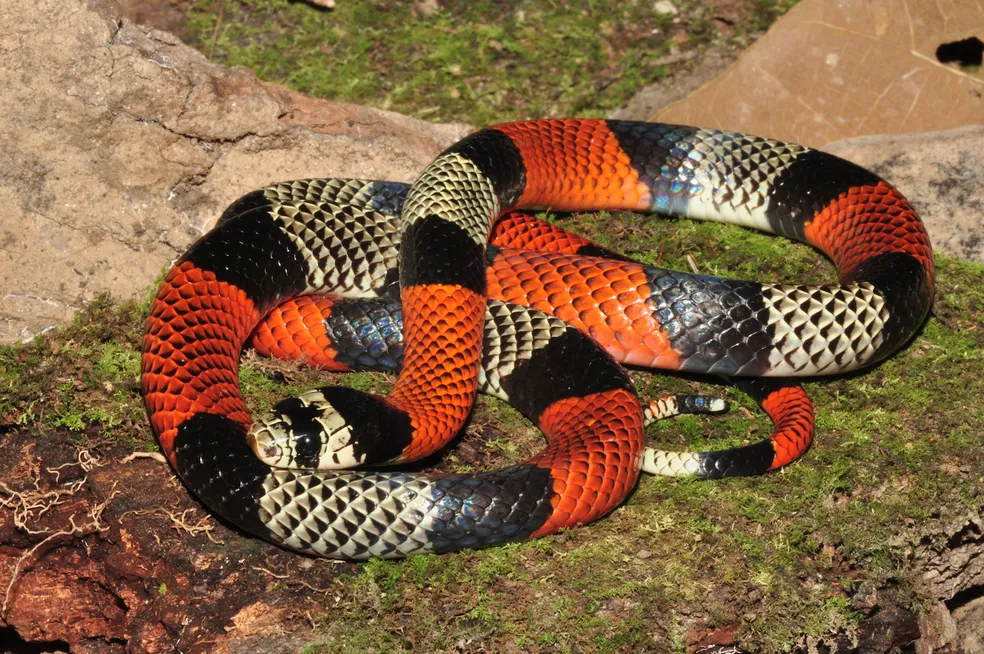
(330, 428)
(303, 433)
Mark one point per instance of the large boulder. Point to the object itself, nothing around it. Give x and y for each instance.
(119, 146)
(832, 70)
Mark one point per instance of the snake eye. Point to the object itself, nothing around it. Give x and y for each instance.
(307, 447)
(304, 430)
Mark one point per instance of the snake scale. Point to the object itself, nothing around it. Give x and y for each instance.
(527, 317)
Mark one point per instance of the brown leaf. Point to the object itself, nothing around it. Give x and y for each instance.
(828, 71)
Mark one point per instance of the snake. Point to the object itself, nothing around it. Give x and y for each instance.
(545, 330)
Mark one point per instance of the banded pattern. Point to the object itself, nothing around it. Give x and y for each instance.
(344, 238)
(282, 439)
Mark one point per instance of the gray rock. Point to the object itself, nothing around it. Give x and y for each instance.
(119, 146)
(688, 71)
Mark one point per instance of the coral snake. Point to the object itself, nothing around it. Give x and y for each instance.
(323, 270)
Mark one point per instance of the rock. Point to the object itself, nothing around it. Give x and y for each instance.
(892, 628)
(866, 597)
(949, 555)
(119, 146)
(689, 71)
(168, 15)
(665, 7)
(936, 629)
(940, 173)
(827, 71)
(949, 567)
(969, 620)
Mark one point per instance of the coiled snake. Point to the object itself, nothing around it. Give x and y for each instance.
(512, 320)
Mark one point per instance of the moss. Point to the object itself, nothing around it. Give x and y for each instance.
(116, 363)
(480, 62)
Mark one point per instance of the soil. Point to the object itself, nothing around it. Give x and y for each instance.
(126, 561)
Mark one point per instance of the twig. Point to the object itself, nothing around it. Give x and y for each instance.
(215, 32)
(83, 459)
(693, 264)
(323, 591)
(180, 522)
(156, 456)
(30, 505)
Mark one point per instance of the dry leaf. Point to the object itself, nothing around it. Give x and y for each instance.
(828, 71)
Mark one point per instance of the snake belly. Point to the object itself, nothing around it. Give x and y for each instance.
(226, 283)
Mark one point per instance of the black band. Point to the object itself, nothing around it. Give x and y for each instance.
(807, 186)
(437, 251)
(500, 161)
(213, 459)
(252, 253)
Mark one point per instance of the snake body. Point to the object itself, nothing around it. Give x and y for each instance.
(359, 239)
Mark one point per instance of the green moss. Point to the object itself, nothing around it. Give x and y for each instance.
(370, 382)
(117, 363)
(765, 12)
(481, 62)
(255, 381)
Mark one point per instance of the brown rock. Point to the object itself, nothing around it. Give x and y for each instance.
(892, 628)
(163, 14)
(950, 557)
(936, 629)
(66, 600)
(866, 597)
(827, 71)
(119, 146)
(969, 620)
